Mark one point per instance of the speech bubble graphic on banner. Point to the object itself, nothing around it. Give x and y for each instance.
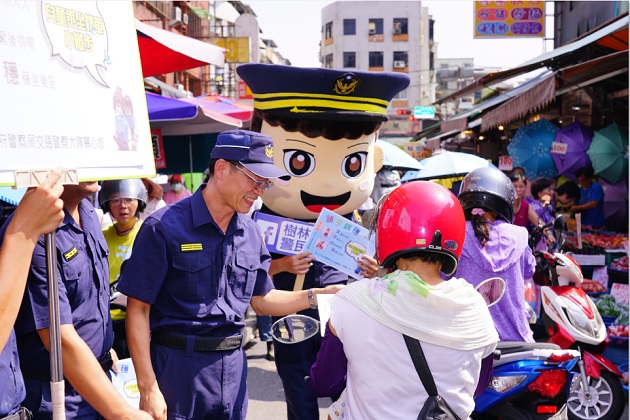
(77, 33)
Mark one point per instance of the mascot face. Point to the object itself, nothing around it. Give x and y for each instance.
(333, 174)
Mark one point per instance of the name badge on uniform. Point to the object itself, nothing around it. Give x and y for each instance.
(191, 247)
(69, 255)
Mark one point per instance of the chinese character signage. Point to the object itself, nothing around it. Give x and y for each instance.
(158, 148)
(340, 243)
(509, 19)
(237, 48)
(72, 88)
(282, 235)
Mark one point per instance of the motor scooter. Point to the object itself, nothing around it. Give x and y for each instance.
(529, 380)
(572, 321)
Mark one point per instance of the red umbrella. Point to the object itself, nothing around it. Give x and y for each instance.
(165, 52)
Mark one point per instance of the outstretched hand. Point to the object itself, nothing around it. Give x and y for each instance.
(368, 266)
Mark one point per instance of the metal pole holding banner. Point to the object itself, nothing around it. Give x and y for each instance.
(57, 385)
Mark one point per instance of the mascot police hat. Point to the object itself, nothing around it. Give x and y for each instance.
(313, 93)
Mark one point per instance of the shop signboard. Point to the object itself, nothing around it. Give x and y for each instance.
(423, 112)
(509, 19)
(158, 148)
(559, 148)
(73, 93)
(417, 151)
(237, 48)
(506, 163)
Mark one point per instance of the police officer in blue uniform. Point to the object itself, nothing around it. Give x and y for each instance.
(325, 124)
(39, 212)
(86, 327)
(195, 267)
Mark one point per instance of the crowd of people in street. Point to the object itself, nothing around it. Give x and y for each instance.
(185, 266)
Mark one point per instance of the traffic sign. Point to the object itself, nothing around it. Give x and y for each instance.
(420, 112)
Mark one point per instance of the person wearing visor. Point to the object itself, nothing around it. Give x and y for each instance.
(495, 247)
(124, 200)
(420, 229)
(195, 267)
(177, 191)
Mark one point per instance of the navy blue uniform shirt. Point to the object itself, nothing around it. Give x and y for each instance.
(83, 283)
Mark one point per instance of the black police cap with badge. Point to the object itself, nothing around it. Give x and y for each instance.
(312, 93)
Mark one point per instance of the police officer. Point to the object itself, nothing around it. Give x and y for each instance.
(39, 212)
(194, 269)
(86, 330)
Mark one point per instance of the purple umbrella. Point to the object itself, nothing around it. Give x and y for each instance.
(578, 138)
(615, 203)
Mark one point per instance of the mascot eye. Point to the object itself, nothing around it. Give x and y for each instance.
(354, 164)
(298, 162)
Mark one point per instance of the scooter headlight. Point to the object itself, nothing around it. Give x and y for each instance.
(582, 323)
(503, 384)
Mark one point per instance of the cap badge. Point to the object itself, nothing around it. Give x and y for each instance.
(269, 151)
(346, 84)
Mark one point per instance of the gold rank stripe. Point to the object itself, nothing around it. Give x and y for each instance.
(313, 96)
(191, 247)
(315, 103)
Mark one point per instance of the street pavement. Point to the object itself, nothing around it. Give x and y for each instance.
(266, 395)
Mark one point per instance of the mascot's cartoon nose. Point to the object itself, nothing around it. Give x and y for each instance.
(316, 203)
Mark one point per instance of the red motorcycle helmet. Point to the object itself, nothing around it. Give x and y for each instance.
(420, 216)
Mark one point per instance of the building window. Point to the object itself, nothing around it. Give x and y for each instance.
(349, 59)
(400, 26)
(328, 31)
(328, 61)
(376, 59)
(375, 26)
(401, 95)
(400, 59)
(349, 27)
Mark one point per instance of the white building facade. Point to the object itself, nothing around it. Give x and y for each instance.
(392, 36)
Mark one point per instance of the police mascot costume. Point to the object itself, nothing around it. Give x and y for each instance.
(324, 124)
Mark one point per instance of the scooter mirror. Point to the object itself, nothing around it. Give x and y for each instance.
(558, 224)
(492, 290)
(293, 329)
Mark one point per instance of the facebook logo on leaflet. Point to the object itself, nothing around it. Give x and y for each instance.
(282, 235)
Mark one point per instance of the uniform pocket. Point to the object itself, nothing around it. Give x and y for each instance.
(196, 281)
(243, 280)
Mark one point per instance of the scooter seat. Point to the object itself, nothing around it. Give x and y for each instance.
(508, 347)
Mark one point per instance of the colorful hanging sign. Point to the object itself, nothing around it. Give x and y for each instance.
(509, 19)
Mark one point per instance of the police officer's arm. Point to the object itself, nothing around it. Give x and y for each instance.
(295, 264)
(281, 302)
(39, 212)
(85, 374)
(138, 340)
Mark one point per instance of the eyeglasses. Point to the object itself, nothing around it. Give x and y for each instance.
(263, 185)
(115, 202)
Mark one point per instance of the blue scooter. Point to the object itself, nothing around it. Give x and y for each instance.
(529, 381)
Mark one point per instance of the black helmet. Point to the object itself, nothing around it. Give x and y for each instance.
(488, 188)
(123, 188)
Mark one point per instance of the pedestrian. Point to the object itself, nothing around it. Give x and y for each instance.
(325, 124)
(591, 202)
(124, 200)
(494, 247)
(196, 266)
(568, 194)
(86, 328)
(155, 200)
(178, 191)
(524, 214)
(420, 232)
(39, 212)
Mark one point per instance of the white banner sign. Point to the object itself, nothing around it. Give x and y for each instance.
(559, 148)
(72, 88)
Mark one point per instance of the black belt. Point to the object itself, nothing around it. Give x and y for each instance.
(201, 343)
(105, 361)
(21, 414)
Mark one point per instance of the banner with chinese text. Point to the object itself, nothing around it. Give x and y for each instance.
(73, 93)
(509, 19)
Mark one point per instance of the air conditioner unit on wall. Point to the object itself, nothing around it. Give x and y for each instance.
(399, 64)
(397, 31)
(372, 31)
(178, 14)
(185, 18)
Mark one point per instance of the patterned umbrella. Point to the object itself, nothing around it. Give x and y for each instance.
(578, 138)
(530, 147)
(609, 153)
(615, 203)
